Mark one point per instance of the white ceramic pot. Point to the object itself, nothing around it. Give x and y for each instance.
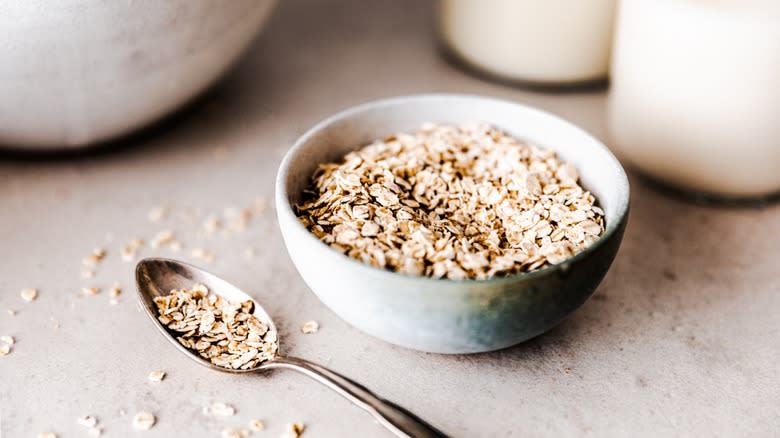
(76, 72)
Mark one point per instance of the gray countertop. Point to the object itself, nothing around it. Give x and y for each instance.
(681, 339)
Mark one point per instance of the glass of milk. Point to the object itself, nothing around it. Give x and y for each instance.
(547, 42)
(695, 94)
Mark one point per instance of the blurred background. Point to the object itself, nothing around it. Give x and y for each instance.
(110, 109)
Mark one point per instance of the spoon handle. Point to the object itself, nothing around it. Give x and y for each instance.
(398, 420)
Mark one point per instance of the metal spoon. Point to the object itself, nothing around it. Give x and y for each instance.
(155, 277)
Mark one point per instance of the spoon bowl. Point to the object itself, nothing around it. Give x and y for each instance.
(156, 277)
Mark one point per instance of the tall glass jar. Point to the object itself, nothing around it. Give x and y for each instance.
(695, 94)
(548, 42)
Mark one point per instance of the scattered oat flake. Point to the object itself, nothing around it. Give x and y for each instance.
(231, 433)
(143, 420)
(8, 340)
(202, 254)
(97, 255)
(310, 327)
(115, 290)
(256, 425)
(90, 290)
(157, 214)
(29, 294)
(164, 237)
(222, 409)
(87, 273)
(250, 253)
(294, 430)
(47, 435)
(127, 253)
(5, 349)
(11, 312)
(113, 301)
(156, 376)
(87, 421)
(95, 431)
(176, 246)
(56, 326)
(90, 260)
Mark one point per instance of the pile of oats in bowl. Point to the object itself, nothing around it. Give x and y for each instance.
(457, 202)
(224, 332)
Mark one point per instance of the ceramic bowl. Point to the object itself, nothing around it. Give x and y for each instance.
(439, 315)
(77, 72)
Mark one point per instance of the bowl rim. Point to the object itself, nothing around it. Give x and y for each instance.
(284, 206)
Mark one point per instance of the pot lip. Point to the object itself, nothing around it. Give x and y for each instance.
(288, 221)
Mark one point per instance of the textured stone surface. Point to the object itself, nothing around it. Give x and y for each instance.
(680, 339)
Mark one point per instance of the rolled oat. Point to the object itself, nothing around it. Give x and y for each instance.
(453, 202)
(224, 332)
(29, 294)
(294, 430)
(144, 420)
(87, 421)
(222, 409)
(156, 376)
(309, 327)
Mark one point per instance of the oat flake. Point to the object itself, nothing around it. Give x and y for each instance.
(256, 425)
(224, 332)
(29, 294)
(222, 410)
(453, 202)
(202, 254)
(87, 421)
(115, 291)
(230, 433)
(156, 376)
(164, 237)
(143, 420)
(310, 327)
(90, 290)
(294, 430)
